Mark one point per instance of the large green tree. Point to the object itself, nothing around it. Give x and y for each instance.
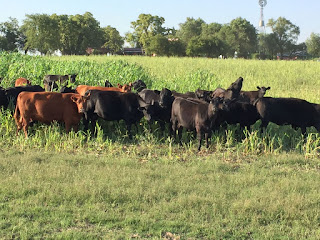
(239, 36)
(266, 46)
(146, 27)
(158, 45)
(285, 34)
(42, 33)
(189, 29)
(112, 39)
(11, 37)
(313, 44)
(71, 34)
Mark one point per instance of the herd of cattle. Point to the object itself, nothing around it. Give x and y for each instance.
(201, 111)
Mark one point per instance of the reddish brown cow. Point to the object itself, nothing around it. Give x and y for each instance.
(81, 89)
(22, 82)
(47, 107)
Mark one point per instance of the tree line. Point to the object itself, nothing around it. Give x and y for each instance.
(75, 34)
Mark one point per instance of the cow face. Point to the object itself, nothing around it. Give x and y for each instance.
(73, 78)
(139, 85)
(203, 95)
(165, 98)
(126, 87)
(81, 101)
(237, 85)
(262, 91)
(148, 111)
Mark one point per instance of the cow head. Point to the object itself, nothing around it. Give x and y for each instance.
(81, 101)
(203, 95)
(262, 91)
(28, 83)
(166, 98)
(73, 78)
(125, 87)
(139, 85)
(233, 91)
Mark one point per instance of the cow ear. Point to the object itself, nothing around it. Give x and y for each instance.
(268, 88)
(258, 87)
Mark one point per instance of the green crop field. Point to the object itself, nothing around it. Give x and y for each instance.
(248, 185)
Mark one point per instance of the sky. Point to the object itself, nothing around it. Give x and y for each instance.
(120, 13)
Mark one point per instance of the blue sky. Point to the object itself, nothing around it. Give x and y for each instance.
(119, 13)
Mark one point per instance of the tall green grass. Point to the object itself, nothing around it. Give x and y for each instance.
(88, 72)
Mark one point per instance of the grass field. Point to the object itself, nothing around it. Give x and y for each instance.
(75, 186)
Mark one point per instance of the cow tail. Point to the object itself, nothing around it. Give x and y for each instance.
(17, 114)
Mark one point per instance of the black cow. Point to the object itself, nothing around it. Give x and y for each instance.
(139, 85)
(193, 115)
(297, 112)
(49, 81)
(232, 92)
(154, 111)
(252, 96)
(238, 112)
(112, 106)
(13, 92)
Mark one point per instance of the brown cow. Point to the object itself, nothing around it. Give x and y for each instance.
(47, 107)
(81, 89)
(22, 82)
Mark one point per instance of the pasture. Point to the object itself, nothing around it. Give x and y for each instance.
(256, 186)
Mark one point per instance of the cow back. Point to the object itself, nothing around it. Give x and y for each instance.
(111, 105)
(297, 112)
(48, 106)
(82, 89)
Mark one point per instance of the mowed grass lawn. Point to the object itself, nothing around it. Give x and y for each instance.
(128, 194)
(75, 186)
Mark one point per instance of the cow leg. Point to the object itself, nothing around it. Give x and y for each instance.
(180, 135)
(150, 125)
(304, 131)
(68, 126)
(174, 129)
(25, 129)
(199, 136)
(162, 126)
(85, 121)
(170, 129)
(263, 125)
(207, 137)
(19, 125)
(75, 127)
(129, 130)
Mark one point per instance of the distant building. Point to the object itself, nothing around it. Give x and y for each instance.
(133, 51)
(293, 56)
